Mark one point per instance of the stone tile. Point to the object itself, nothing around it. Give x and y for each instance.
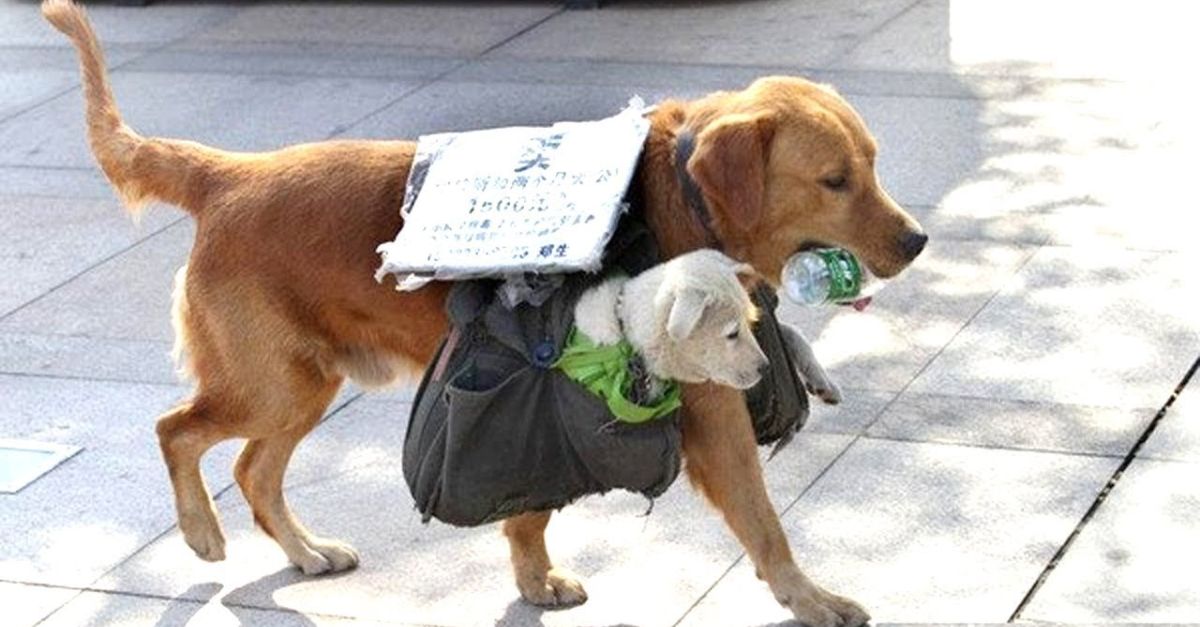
(928, 147)
(773, 32)
(717, 76)
(77, 183)
(456, 106)
(924, 533)
(75, 357)
(114, 610)
(347, 480)
(957, 37)
(1177, 436)
(97, 508)
(340, 60)
(25, 605)
(24, 89)
(1132, 562)
(1089, 326)
(46, 241)
(31, 75)
(993, 225)
(128, 297)
(857, 411)
(912, 318)
(1111, 176)
(21, 23)
(451, 28)
(63, 59)
(234, 112)
(1013, 424)
(1032, 166)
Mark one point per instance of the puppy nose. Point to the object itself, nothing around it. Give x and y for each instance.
(912, 243)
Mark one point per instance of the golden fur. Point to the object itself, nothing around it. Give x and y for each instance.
(270, 338)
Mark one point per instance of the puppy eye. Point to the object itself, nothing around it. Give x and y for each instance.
(835, 183)
(732, 335)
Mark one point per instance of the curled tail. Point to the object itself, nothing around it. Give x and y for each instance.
(141, 169)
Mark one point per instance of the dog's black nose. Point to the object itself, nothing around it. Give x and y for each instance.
(912, 243)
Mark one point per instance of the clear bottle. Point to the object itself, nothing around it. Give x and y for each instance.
(827, 275)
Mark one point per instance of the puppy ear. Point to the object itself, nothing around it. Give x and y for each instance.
(730, 166)
(685, 313)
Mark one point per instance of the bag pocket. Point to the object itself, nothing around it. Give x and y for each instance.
(643, 458)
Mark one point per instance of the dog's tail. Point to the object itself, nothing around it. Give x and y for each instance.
(140, 168)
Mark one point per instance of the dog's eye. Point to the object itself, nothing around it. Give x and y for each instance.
(732, 335)
(835, 183)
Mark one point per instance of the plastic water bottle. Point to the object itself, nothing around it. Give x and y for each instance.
(827, 275)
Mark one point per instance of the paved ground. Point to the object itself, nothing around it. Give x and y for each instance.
(994, 390)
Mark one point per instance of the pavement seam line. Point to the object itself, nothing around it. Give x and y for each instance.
(520, 33)
(1036, 248)
(421, 85)
(859, 41)
(78, 85)
(182, 385)
(993, 447)
(1103, 495)
(12, 312)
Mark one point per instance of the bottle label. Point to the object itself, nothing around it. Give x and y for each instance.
(845, 275)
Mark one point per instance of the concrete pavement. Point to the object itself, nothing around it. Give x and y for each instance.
(988, 464)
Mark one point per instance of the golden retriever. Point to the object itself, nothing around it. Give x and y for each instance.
(781, 165)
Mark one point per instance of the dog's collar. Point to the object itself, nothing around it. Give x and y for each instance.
(685, 145)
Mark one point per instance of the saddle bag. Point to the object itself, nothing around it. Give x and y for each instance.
(496, 430)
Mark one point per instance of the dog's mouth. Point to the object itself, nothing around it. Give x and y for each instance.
(812, 244)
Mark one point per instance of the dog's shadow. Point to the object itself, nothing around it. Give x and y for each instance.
(247, 600)
(521, 614)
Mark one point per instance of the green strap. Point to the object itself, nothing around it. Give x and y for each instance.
(604, 371)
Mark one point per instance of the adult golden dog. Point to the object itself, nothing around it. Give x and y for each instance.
(269, 337)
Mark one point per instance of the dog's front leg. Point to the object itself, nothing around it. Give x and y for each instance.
(722, 463)
(538, 580)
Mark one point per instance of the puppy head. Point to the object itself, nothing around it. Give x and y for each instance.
(705, 316)
(788, 165)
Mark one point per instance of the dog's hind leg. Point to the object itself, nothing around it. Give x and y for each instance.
(260, 469)
(722, 462)
(538, 580)
(184, 434)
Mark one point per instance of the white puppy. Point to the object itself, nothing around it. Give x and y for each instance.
(690, 319)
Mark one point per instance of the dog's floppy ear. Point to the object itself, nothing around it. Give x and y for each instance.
(685, 313)
(730, 166)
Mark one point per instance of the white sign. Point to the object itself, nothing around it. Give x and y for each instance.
(510, 200)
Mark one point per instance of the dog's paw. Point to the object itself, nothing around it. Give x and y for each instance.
(827, 391)
(320, 557)
(559, 589)
(815, 607)
(203, 534)
(341, 556)
(810, 612)
(851, 613)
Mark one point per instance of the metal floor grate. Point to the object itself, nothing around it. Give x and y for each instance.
(23, 461)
